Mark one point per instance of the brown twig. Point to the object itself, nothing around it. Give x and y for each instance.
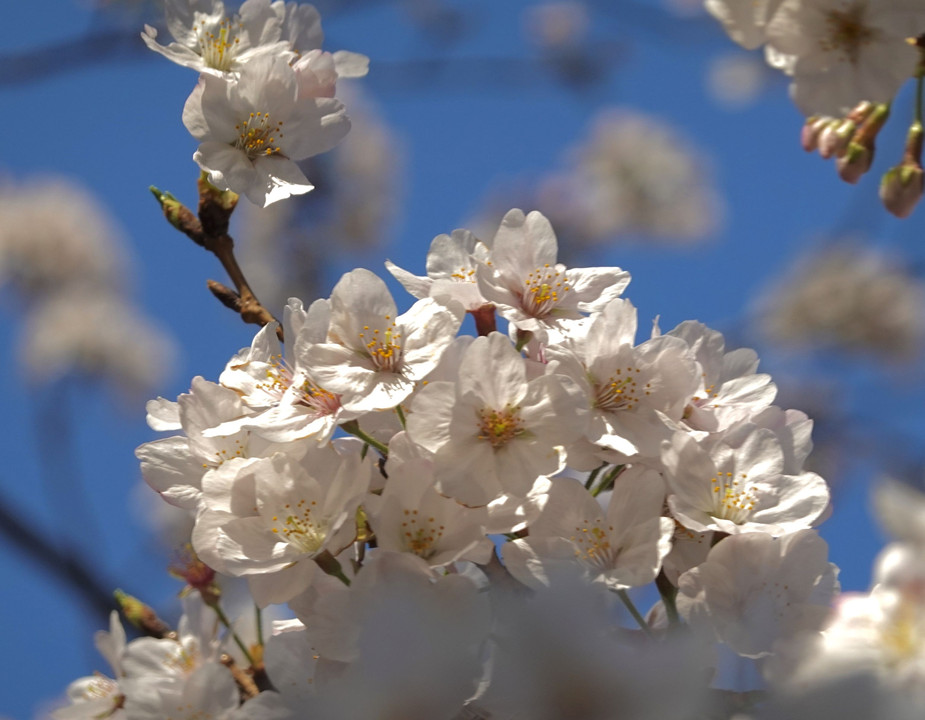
(209, 229)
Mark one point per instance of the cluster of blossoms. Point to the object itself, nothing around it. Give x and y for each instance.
(265, 97)
(366, 474)
(847, 60)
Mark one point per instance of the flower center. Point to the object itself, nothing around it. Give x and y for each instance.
(234, 449)
(217, 43)
(499, 426)
(420, 535)
(619, 391)
(592, 544)
(281, 378)
(384, 348)
(846, 32)
(544, 288)
(299, 529)
(733, 498)
(258, 134)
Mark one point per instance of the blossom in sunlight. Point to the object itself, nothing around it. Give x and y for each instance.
(741, 482)
(531, 289)
(849, 298)
(268, 520)
(846, 51)
(98, 695)
(622, 546)
(372, 355)
(287, 402)
(254, 129)
(496, 429)
(210, 40)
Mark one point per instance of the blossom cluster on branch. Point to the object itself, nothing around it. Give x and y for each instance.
(847, 60)
(456, 521)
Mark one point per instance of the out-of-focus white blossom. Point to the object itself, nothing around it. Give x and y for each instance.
(100, 335)
(754, 590)
(556, 25)
(54, 233)
(850, 298)
(633, 175)
(735, 80)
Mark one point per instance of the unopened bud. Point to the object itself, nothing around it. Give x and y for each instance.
(834, 139)
(860, 112)
(812, 129)
(178, 215)
(141, 616)
(859, 153)
(901, 187)
(855, 162)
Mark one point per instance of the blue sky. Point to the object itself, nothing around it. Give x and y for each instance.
(493, 113)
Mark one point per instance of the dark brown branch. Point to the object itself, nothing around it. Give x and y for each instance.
(210, 231)
(61, 563)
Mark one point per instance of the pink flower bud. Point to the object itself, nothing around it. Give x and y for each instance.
(835, 137)
(902, 186)
(901, 189)
(812, 129)
(855, 161)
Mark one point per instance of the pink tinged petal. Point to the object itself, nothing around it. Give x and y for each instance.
(316, 125)
(276, 178)
(193, 117)
(228, 167)
(261, 22)
(494, 372)
(417, 286)
(594, 288)
(427, 329)
(359, 299)
(539, 562)
(351, 64)
(211, 690)
(428, 423)
(275, 588)
(792, 502)
(170, 468)
(162, 414)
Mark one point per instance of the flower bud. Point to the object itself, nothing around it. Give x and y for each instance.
(834, 139)
(141, 616)
(855, 161)
(902, 186)
(858, 155)
(812, 129)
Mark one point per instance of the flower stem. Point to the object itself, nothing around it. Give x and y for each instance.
(592, 476)
(258, 618)
(668, 592)
(353, 427)
(224, 621)
(401, 416)
(624, 596)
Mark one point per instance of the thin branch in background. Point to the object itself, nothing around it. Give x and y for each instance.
(62, 563)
